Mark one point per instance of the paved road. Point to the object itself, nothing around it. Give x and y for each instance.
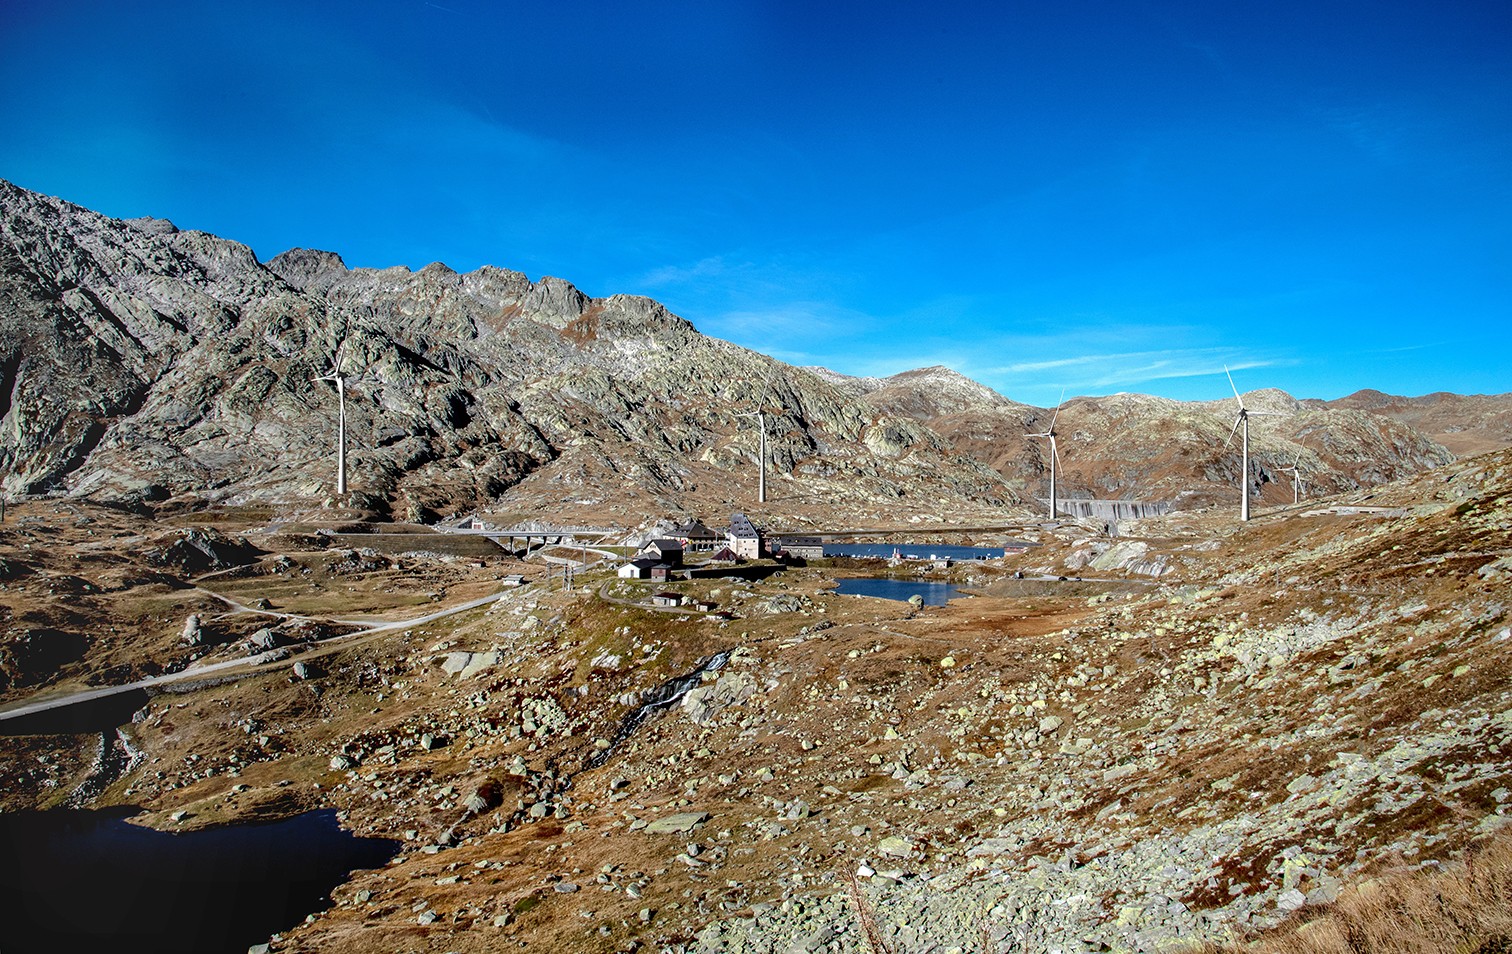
(238, 667)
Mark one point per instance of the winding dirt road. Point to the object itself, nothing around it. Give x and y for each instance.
(236, 668)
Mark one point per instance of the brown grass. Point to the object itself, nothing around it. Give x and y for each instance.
(1465, 909)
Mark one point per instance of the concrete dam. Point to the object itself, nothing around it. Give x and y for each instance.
(1110, 511)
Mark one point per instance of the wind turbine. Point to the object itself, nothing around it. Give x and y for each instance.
(1243, 419)
(1054, 457)
(340, 381)
(1296, 478)
(761, 454)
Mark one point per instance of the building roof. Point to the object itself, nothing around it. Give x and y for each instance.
(741, 527)
(694, 529)
(663, 543)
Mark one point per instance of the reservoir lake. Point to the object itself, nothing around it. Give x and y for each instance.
(934, 594)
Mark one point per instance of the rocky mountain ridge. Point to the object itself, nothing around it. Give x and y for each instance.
(1467, 424)
(140, 362)
(1141, 447)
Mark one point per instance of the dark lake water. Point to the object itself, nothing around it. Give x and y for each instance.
(912, 551)
(88, 881)
(934, 594)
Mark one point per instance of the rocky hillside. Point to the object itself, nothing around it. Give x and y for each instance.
(1138, 447)
(1296, 709)
(1467, 424)
(141, 362)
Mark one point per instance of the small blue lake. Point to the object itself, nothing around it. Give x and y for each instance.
(934, 594)
(912, 551)
(89, 881)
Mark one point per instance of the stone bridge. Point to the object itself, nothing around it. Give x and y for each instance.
(546, 534)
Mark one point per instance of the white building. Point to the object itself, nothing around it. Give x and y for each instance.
(743, 539)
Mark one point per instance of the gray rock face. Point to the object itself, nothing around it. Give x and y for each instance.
(1336, 447)
(464, 664)
(676, 823)
(141, 362)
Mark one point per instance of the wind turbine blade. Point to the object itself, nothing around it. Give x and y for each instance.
(1053, 417)
(1056, 454)
(1233, 386)
(1230, 439)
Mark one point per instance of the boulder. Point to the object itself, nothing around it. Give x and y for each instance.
(676, 824)
(895, 847)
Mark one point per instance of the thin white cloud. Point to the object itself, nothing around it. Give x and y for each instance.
(793, 323)
(1139, 365)
(714, 267)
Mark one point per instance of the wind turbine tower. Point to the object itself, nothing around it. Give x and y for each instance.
(1054, 456)
(761, 455)
(1296, 476)
(1242, 420)
(340, 381)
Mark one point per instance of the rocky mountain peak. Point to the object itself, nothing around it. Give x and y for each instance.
(850, 384)
(921, 394)
(152, 226)
(555, 302)
(140, 365)
(138, 361)
(1271, 399)
(946, 388)
(308, 268)
(1366, 399)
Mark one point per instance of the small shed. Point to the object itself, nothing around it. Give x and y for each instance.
(637, 569)
(666, 599)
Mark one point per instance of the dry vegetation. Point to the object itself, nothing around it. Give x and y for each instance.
(1300, 727)
(1465, 908)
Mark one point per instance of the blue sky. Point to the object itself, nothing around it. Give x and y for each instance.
(1101, 197)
